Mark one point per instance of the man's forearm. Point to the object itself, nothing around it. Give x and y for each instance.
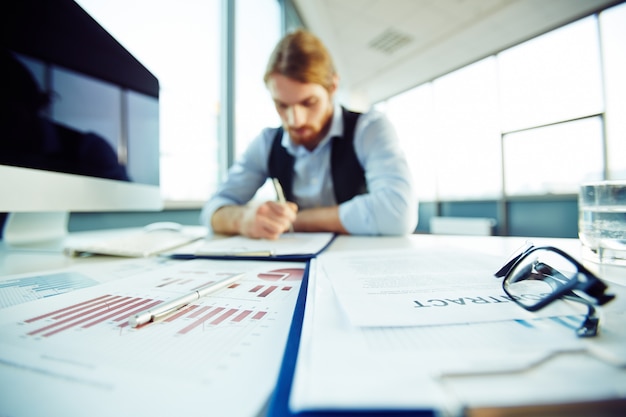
(321, 219)
(227, 220)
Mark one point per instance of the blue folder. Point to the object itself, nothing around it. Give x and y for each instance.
(279, 403)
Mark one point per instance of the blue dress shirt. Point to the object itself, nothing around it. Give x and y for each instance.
(389, 207)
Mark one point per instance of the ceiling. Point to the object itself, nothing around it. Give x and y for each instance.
(383, 47)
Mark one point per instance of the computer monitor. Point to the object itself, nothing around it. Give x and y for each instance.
(95, 146)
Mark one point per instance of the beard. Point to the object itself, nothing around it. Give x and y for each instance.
(306, 136)
(310, 136)
(303, 134)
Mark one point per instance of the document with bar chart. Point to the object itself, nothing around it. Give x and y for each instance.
(80, 352)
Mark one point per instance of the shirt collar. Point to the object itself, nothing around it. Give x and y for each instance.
(336, 129)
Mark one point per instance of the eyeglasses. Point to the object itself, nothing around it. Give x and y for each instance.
(536, 276)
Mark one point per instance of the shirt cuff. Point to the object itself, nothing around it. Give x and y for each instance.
(211, 207)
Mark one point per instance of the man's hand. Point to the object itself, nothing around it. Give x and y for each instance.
(267, 220)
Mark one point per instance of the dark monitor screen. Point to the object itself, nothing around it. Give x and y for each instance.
(80, 116)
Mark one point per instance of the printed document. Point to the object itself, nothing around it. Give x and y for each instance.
(219, 355)
(443, 368)
(410, 288)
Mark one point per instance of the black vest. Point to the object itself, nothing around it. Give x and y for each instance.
(346, 171)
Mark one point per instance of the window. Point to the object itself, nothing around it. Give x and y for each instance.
(551, 78)
(449, 131)
(553, 159)
(468, 137)
(538, 118)
(613, 33)
(180, 43)
(413, 117)
(258, 29)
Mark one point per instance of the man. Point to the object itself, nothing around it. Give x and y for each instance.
(342, 172)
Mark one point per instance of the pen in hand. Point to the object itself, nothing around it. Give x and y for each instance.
(281, 196)
(167, 308)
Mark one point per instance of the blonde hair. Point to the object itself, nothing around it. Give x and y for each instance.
(301, 56)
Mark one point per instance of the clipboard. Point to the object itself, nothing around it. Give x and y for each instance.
(292, 247)
(279, 402)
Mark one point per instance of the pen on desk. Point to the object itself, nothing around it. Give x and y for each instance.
(168, 307)
(281, 196)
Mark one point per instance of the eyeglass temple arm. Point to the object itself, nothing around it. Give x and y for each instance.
(507, 267)
(596, 289)
(589, 327)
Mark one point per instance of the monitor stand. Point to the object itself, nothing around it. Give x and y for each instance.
(36, 230)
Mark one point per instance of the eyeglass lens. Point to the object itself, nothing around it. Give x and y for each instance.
(541, 275)
(538, 276)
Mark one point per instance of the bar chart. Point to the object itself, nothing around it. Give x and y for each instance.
(116, 310)
(200, 341)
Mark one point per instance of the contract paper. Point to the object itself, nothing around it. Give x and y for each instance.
(411, 288)
(74, 354)
(441, 367)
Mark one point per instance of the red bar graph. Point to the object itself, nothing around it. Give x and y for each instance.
(117, 309)
(169, 281)
(97, 314)
(72, 307)
(267, 291)
(224, 316)
(199, 311)
(113, 311)
(241, 316)
(259, 315)
(201, 320)
(181, 313)
(129, 307)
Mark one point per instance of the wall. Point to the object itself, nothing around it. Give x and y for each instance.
(541, 217)
(93, 221)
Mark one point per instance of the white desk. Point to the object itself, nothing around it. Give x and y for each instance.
(20, 261)
(49, 256)
(23, 262)
(495, 245)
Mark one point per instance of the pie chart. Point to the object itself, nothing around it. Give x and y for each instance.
(284, 274)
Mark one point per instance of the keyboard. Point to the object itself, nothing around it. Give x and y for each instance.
(137, 244)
